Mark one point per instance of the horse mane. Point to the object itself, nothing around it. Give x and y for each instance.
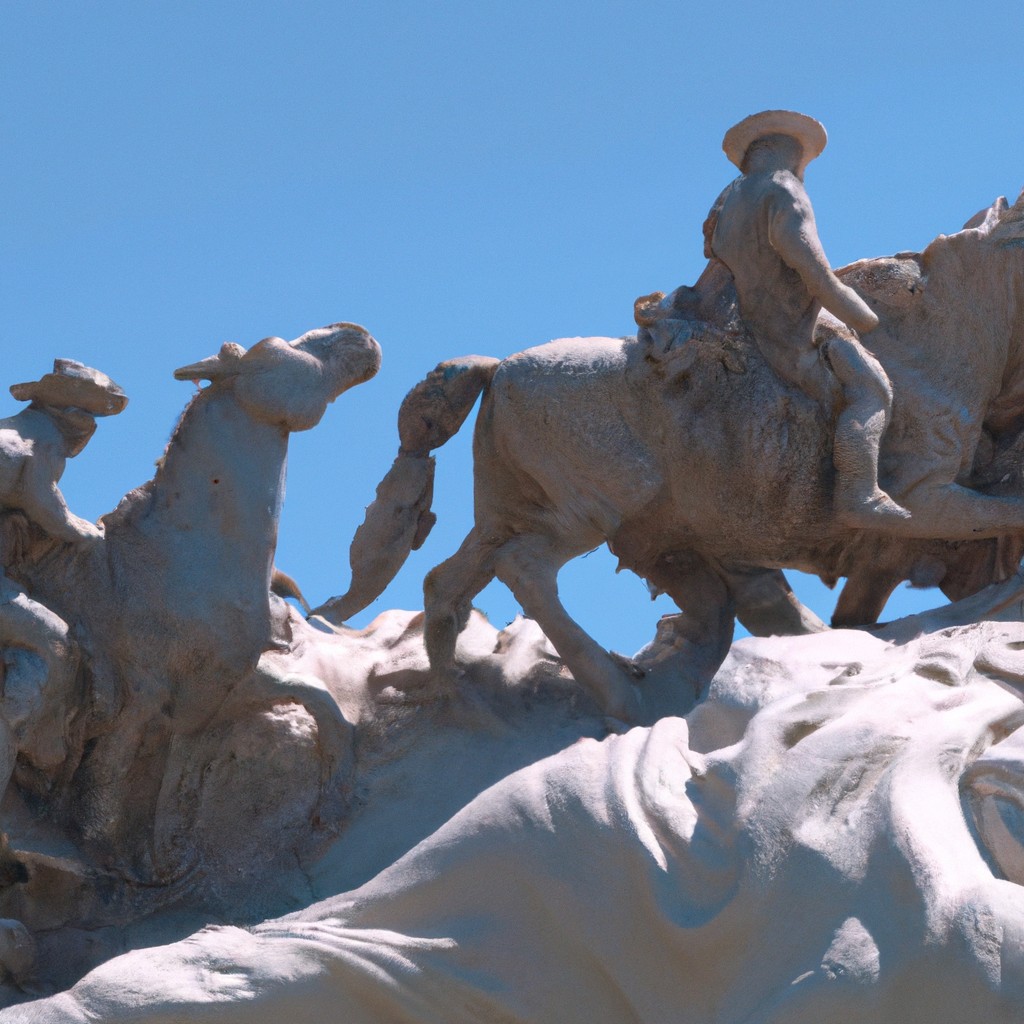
(178, 428)
(135, 503)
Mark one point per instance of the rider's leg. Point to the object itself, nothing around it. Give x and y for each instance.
(939, 508)
(859, 501)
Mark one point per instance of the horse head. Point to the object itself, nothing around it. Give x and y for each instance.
(290, 384)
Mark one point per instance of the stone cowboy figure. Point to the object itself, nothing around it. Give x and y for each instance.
(762, 228)
(38, 659)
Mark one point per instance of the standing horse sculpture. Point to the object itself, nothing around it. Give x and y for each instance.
(172, 607)
(706, 475)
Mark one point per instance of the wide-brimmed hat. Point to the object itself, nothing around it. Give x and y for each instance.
(809, 133)
(73, 385)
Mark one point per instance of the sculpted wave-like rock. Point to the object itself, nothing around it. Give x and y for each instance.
(796, 849)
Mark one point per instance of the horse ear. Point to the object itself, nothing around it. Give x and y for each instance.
(986, 219)
(213, 368)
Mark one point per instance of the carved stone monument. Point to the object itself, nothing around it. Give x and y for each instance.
(219, 810)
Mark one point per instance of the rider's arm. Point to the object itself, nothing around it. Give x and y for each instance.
(794, 236)
(40, 499)
(711, 221)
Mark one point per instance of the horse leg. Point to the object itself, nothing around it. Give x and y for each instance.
(448, 593)
(949, 511)
(528, 565)
(334, 732)
(766, 604)
(702, 633)
(863, 598)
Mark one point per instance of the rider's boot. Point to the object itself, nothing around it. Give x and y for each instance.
(869, 511)
(858, 500)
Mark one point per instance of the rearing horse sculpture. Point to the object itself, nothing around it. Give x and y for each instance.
(172, 606)
(705, 474)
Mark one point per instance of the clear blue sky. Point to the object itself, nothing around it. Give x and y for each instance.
(458, 177)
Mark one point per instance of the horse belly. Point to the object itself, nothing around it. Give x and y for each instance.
(751, 463)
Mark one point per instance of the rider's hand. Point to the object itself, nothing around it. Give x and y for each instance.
(853, 310)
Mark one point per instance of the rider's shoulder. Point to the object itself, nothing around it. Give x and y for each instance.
(787, 182)
(786, 189)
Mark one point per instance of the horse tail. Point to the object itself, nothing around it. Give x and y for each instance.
(284, 586)
(399, 518)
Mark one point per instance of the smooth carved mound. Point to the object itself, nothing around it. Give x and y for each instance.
(834, 833)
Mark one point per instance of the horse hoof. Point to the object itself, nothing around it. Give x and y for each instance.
(621, 702)
(415, 686)
(615, 726)
(329, 611)
(17, 951)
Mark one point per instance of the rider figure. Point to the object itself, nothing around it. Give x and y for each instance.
(38, 656)
(762, 228)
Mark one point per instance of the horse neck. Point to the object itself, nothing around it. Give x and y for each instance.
(218, 491)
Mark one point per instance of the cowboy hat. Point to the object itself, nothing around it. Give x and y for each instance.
(809, 133)
(74, 386)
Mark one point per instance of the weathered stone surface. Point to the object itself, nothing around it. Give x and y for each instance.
(215, 809)
(796, 848)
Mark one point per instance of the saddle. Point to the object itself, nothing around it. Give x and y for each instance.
(704, 320)
(674, 329)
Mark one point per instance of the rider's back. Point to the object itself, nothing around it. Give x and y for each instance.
(774, 300)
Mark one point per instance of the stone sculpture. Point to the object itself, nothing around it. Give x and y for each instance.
(40, 662)
(170, 608)
(585, 441)
(220, 810)
(56, 426)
